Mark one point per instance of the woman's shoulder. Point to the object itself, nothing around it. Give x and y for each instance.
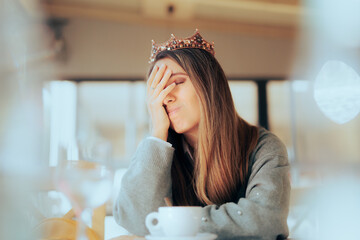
(269, 145)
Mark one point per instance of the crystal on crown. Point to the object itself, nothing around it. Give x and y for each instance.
(195, 41)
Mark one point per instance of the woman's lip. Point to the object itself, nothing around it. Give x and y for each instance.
(173, 111)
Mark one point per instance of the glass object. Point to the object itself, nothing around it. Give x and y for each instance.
(83, 175)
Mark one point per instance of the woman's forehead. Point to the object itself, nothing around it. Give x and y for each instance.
(170, 63)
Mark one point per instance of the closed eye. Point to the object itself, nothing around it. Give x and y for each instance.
(178, 82)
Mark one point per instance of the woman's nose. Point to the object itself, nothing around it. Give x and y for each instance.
(169, 99)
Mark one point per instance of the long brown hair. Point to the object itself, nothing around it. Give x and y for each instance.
(225, 141)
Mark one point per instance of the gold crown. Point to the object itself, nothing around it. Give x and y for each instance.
(195, 41)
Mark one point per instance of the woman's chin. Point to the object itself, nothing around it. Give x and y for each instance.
(177, 129)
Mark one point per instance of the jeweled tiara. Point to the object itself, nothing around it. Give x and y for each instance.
(195, 41)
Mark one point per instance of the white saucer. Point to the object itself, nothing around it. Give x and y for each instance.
(199, 236)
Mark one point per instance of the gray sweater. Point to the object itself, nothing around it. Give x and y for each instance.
(261, 214)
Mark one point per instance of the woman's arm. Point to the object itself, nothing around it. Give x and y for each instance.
(145, 185)
(262, 214)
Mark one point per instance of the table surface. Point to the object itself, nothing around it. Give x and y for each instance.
(127, 237)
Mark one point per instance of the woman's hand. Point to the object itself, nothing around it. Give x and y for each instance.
(156, 93)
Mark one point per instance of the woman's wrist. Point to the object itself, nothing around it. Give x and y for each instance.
(160, 135)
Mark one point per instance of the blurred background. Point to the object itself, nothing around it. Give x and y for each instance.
(75, 69)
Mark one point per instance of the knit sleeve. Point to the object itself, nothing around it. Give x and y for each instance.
(144, 186)
(262, 213)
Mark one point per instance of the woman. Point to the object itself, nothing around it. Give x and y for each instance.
(201, 153)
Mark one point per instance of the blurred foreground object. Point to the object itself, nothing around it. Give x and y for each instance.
(329, 57)
(337, 91)
(337, 207)
(331, 211)
(325, 117)
(325, 86)
(63, 226)
(24, 66)
(337, 85)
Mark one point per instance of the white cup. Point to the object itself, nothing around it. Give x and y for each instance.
(174, 221)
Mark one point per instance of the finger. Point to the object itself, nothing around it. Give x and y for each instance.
(163, 82)
(158, 76)
(166, 91)
(152, 75)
